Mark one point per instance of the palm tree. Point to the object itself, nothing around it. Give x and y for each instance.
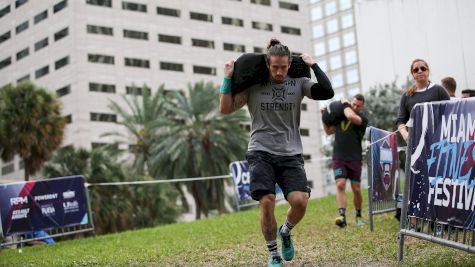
(142, 116)
(31, 125)
(197, 140)
(115, 208)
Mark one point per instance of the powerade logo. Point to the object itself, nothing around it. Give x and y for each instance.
(18, 200)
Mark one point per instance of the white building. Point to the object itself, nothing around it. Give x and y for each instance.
(93, 51)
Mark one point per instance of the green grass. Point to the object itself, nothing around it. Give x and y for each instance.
(236, 240)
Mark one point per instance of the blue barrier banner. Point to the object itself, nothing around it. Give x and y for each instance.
(242, 180)
(384, 164)
(443, 162)
(43, 204)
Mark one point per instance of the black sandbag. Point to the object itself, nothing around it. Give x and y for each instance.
(333, 113)
(251, 69)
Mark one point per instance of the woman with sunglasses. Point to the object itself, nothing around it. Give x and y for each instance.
(422, 91)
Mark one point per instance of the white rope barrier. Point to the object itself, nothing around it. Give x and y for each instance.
(160, 181)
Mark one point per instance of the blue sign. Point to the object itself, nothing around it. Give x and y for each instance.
(42, 204)
(384, 164)
(442, 165)
(242, 180)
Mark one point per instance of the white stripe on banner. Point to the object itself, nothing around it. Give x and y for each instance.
(161, 181)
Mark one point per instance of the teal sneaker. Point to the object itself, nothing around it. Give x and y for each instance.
(359, 221)
(275, 261)
(287, 246)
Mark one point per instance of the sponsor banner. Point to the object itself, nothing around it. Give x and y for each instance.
(384, 164)
(442, 166)
(42, 204)
(242, 180)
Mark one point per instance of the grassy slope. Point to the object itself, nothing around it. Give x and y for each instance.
(235, 240)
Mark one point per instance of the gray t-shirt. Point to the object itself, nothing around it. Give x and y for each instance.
(275, 115)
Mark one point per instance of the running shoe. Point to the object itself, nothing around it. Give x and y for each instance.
(359, 221)
(287, 246)
(340, 221)
(275, 261)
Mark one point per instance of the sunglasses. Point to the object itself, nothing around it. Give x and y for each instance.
(416, 70)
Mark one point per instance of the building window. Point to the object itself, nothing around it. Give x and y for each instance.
(317, 13)
(97, 58)
(7, 169)
(134, 7)
(41, 72)
(168, 12)
(204, 70)
(106, 3)
(136, 35)
(68, 118)
(133, 90)
(136, 62)
(335, 62)
(323, 64)
(289, 6)
(334, 44)
(262, 26)
(19, 3)
(319, 49)
(106, 117)
(102, 88)
(347, 21)
(40, 17)
(23, 79)
(232, 21)
(349, 39)
(332, 26)
(258, 49)
(234, 47)
(304, 132)
(337, 80)
(60, 6)
(318, 31)
(303, 107)
(330, 8)
(308, 157)
(41, 44)
(5, 63)
(172, 39)
(4, 11)
(201, 16)
(100, 30)
(352, 76)
(290, 30)
(350, 57)
(61, 63)
(22, 53)
(261, 2)
(171, 66)
(21, 27)
(345, 4)
(5, 36)
(202, 43)
(63, 91)
(61, 34)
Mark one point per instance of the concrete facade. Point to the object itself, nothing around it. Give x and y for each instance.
(80, 45)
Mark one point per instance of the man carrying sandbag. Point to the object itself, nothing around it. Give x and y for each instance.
(275, 148)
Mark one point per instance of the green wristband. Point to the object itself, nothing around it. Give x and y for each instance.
(225, 88)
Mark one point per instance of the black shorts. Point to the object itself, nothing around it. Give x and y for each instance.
(267, 169)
